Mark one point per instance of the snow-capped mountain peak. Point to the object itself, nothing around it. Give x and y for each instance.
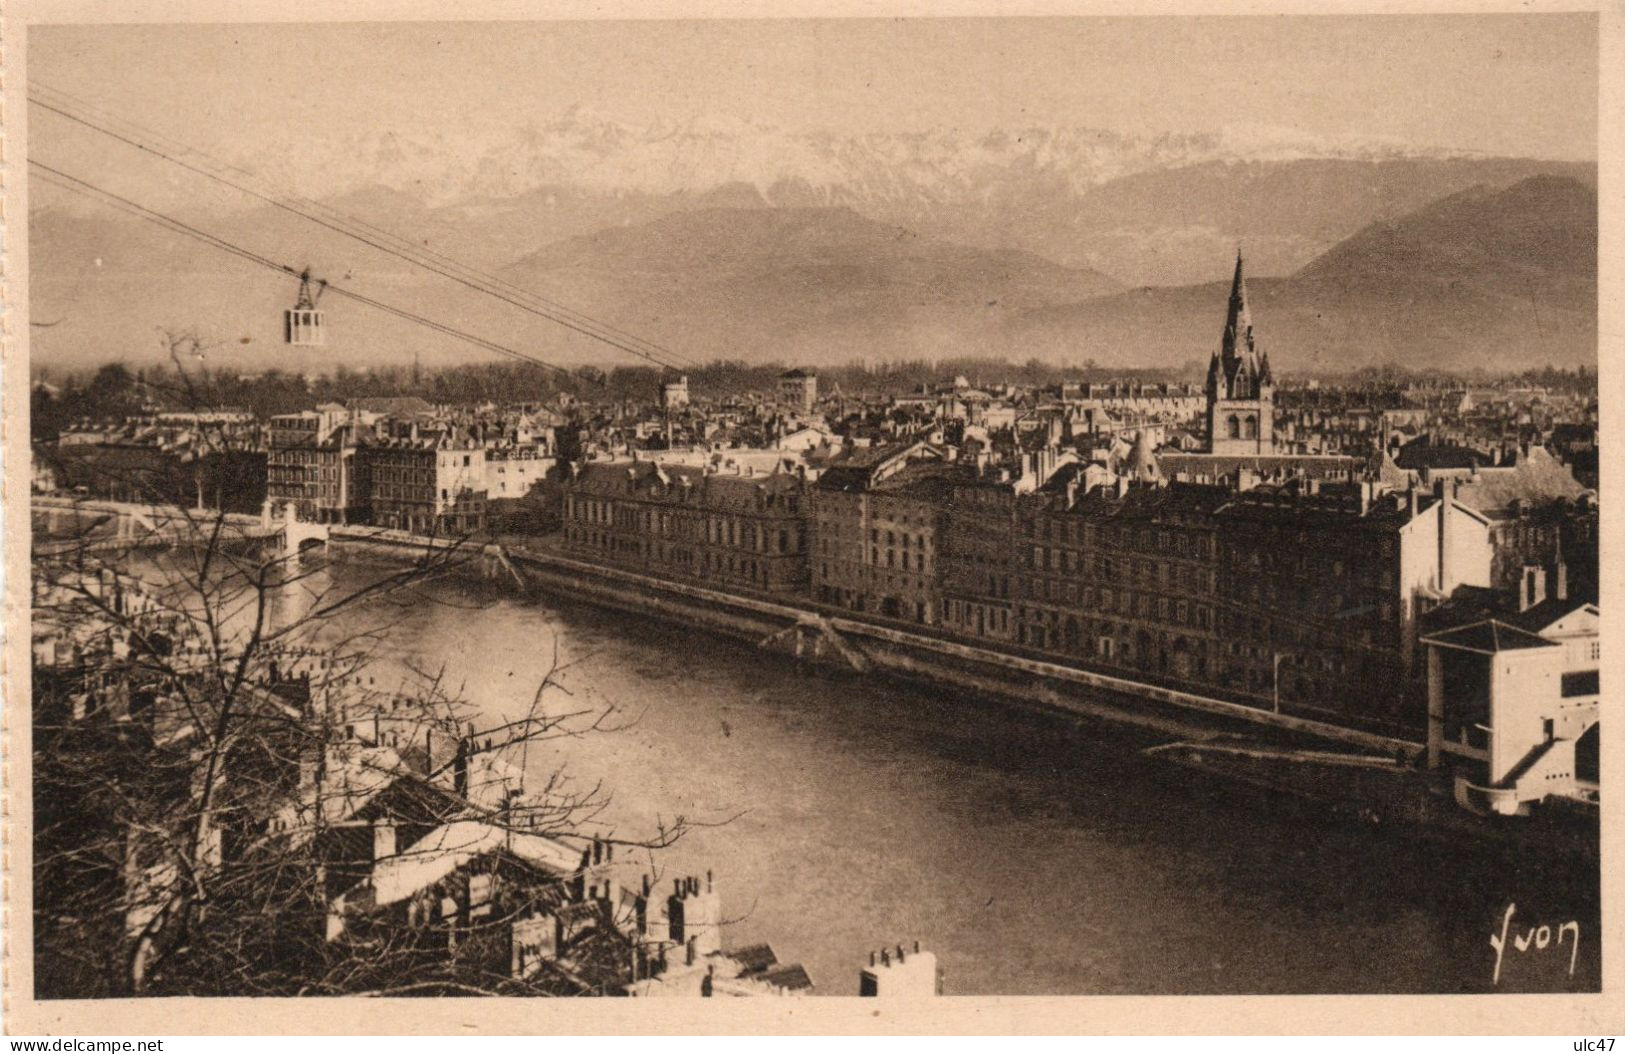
(581, 147)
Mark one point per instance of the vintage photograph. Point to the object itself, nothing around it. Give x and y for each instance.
(809, 507)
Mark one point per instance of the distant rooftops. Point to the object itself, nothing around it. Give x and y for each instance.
(398, 404)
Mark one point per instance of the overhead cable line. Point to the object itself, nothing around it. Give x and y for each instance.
(73, 183)
(376, 238)
(645, 348)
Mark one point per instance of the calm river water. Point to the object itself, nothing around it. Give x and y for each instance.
(1034, 857)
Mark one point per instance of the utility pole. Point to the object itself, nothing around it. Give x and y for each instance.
(1276, 666)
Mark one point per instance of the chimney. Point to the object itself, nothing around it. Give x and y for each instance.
(383, 840)
(1533, 589)
(459, 768)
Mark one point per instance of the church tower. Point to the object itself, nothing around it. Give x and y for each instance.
(1240, 388)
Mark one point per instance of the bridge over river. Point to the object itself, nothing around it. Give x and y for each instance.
(63, 526)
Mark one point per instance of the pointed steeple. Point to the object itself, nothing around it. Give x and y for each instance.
(1215, 375)
(1238, 321)
(1241, 390)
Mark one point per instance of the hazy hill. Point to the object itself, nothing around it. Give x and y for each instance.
(1452, 279)
(1170, 225)
(1536, 238)
(821, 284)
(1484, 277)
(1151, 209)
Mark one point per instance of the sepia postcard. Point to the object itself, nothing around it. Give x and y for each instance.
(866, 518)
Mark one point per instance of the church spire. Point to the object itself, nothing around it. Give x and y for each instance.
(1241, 390)
(1238, 322)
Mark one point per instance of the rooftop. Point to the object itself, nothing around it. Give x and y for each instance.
(1489, 637)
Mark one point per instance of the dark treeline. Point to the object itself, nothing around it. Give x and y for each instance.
(115, 390)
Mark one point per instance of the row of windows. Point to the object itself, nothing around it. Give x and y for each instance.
(1089, 535)
(713, 530)
(1105, 567)
(900, 518)
(301, 456)
(391, 474)
(1126, 602)
(706, 562)
(830, 571)
(977, 617)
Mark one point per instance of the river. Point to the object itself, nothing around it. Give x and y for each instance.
(1032, 855)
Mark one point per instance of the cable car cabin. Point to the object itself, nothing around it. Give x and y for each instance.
(302, 323)
(303, 327)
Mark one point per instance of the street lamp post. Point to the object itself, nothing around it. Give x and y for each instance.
(1276, 669)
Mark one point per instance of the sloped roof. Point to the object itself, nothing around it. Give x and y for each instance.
(1489, 637)
(1316, 466)
(755, 957)
(1422, 453)
(793, 978)
(452, 845)
(717, 490)
(1536, 478)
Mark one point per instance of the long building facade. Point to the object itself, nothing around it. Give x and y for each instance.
(1290, 582)
(746, 532)
(430, 484)
(1304, 598)
(875, 534)
(311, 466)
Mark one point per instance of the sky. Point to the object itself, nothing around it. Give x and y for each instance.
(1501, 84)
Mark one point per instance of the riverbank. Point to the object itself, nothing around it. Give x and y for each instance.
(1356, 775)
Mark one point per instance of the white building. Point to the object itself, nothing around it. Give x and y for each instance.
(1513, 703)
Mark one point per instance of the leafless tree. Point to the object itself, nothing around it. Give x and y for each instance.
(215, 768)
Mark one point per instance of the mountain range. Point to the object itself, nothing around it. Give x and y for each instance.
(739, 242)
(1153, 209)
(1482, 278)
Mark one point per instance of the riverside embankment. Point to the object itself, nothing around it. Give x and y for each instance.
(1035, 848)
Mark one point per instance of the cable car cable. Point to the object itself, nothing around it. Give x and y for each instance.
(406, 246)
(580, 323)
(74, 183)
